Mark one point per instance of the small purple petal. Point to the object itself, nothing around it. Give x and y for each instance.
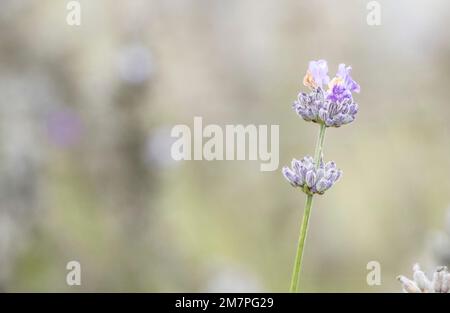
(319, 72)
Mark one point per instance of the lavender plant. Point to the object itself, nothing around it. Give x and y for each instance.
(331, 107)
(440, 282)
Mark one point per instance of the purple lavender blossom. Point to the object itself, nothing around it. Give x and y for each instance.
(349, 83)
(342, 86)
(317, 74)
(338, 93)
(303, 173)
(334, 107)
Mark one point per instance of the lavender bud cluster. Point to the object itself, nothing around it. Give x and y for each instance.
(311, 178)
(317, 108)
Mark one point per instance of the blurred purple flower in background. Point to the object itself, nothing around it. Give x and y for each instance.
(64, 127)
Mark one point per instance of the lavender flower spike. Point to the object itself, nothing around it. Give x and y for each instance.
(329, 108)
(304, 173)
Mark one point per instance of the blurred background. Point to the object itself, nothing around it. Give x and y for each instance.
(86, 173)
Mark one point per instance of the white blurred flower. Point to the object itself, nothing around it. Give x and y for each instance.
(440, 282)
(158, 148)
(135, 64)
(232, 279)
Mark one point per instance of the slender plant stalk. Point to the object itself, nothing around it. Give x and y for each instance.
(305, 221)
(319, 144)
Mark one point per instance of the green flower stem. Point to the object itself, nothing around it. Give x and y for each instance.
(301, 244)
(305, 221)
(319, 144)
